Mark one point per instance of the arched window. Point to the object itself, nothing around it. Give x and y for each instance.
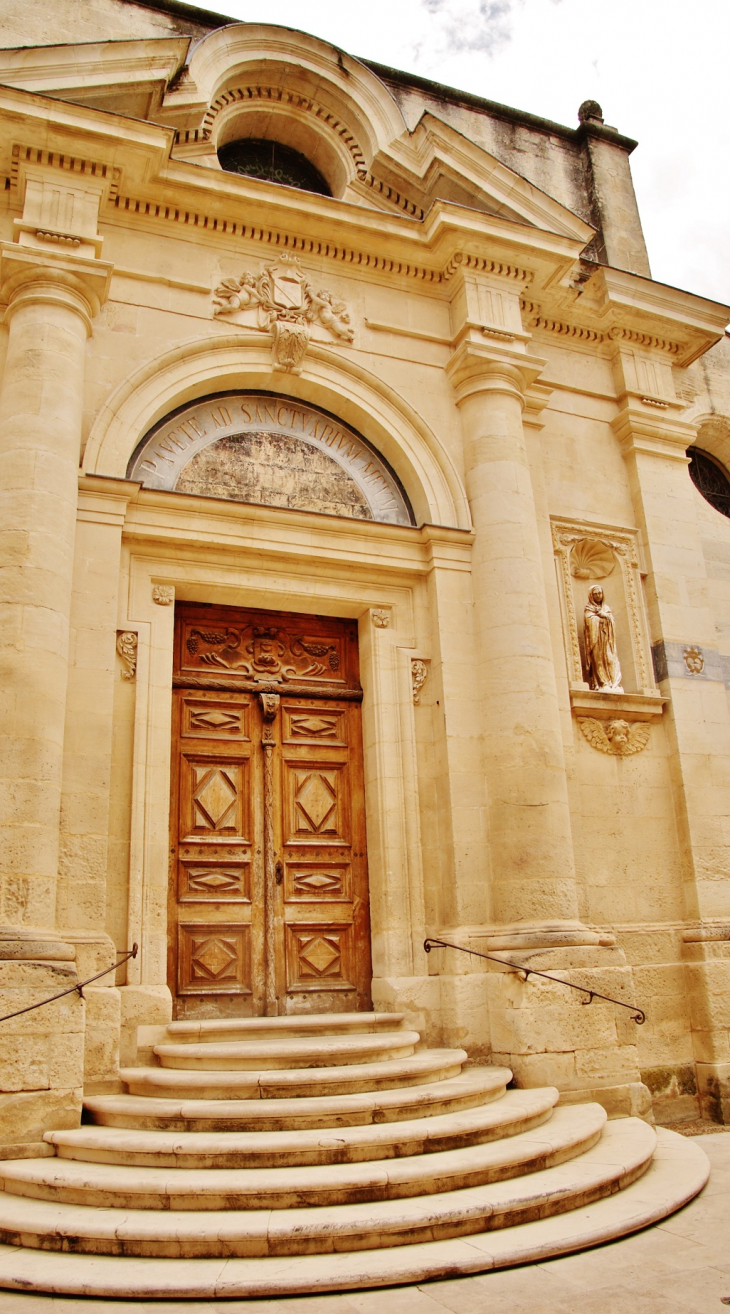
(710, 479)
(256, 157)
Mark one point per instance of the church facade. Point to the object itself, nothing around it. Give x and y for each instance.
(365, 571)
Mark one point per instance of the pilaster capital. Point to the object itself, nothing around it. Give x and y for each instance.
(78, 283)
(481, 368)
(652, 435)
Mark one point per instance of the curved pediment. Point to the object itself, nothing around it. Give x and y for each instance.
(270, 451)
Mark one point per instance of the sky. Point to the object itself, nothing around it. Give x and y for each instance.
(659, 69)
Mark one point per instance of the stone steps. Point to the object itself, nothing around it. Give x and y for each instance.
(428, 1065)
(518, 1111)
(310, 1052)
(378, 1167)
(622, 1154)
(678, 1171)
(121, 1186)
(469, 1089)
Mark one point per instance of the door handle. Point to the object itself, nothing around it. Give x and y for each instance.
(279, 872)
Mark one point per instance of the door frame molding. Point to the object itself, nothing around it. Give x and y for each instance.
(305, 580)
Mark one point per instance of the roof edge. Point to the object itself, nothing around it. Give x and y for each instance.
(499, 111)
(192, 13)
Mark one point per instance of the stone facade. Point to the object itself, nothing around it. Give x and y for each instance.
(510, 399)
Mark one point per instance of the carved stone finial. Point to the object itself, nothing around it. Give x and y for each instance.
(694, 660)
(618, 737)
(287, 305)
(127, 642)
(380, 618)
(163, 594)
(590, 112)
(419, 676)
(599, 634)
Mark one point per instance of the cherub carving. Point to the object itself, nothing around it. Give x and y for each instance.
(618, 737)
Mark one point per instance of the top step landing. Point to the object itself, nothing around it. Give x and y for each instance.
(304, 1024)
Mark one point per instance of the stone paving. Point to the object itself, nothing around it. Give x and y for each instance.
(683, 1264)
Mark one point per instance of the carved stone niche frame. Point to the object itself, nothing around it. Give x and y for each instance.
(587, 554)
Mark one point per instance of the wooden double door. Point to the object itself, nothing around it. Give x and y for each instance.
(268, 908)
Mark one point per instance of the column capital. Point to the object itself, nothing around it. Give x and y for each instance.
(481, 367)
(652, 433)
(56, 277)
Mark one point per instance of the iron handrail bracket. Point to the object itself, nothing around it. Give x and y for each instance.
(637, 1014)
(78, 988)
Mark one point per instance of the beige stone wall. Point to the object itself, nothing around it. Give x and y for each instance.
(87, 20)
(494, 814)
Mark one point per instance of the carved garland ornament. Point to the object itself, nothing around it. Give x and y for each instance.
(287, 307)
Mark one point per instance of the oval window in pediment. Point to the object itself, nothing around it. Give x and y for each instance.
(256, 157)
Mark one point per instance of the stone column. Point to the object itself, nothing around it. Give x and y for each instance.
(539, 1029)
(691, 674)
(50, 300)
(533, 873)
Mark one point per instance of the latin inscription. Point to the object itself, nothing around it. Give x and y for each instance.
(163, 459)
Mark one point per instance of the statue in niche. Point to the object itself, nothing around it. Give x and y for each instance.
(599, 631)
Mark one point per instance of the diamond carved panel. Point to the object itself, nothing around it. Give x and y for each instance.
(319, 958)
(215, 720)
(214, 960)
(215, 797)
(303, 725)
(317, 883)
(227, 883)
(315, 801)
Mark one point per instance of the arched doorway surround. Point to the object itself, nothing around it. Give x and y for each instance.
(277, 560)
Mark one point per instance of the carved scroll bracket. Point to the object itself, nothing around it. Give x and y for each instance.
(419, 676)
(127, 641)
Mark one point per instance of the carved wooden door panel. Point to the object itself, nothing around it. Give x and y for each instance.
(324, 909)
(215, 939)
(268, 908)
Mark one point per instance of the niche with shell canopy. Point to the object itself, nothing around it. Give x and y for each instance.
(589, 556)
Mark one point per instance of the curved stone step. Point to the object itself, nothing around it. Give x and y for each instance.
(288, 1052)
(428, 1065)
(678, 1171)
(570, 1132)
(304, 1024)
(517, 1111)
(622, 1154)
(469, 1089)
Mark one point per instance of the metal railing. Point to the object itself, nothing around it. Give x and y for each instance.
(637, 1014)
(78, 988)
